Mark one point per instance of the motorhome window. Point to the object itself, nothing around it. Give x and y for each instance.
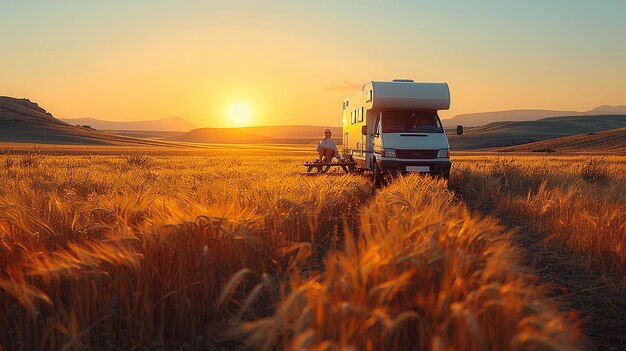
(411, 121)
(377, 124)
(361, 114)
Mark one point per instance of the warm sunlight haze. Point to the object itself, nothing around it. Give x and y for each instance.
(144, 60)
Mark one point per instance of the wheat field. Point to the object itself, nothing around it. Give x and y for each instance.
(577, 202)
(225, 250)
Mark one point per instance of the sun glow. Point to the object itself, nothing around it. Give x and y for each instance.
(239, 114)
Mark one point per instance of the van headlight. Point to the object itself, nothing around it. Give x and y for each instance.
(443, 153)
(388, 153)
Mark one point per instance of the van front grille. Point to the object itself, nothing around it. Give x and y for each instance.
(417, 154)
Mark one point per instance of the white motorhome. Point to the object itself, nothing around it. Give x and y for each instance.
(391, 127)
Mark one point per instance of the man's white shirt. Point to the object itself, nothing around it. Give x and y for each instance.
(328, 144)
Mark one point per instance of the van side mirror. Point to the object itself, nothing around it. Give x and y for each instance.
(364, 130)
(459, 130)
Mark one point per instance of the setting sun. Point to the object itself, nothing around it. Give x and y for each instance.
(239, 114)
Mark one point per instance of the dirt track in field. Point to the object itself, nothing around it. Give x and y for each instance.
(599, 301)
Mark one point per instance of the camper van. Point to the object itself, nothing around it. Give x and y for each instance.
(393, 127)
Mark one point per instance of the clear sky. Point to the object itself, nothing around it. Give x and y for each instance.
(292, 62)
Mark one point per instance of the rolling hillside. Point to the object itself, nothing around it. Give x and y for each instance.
(222, 136)
(294, 131)
(260, 135)
(23, 121)
(157, 135)
(501, 134)
(483, 118)
(613, 140)
(170, 124)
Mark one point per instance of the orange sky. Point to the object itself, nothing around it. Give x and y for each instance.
(293, 63)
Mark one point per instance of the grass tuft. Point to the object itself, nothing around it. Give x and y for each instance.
(595, 171)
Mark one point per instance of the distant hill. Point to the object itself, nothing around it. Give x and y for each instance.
(295, 134)
(157, 135)
(23, 121)
(169, 124)
(483, 118)
(607, 110)
(501, 134)
(222, 136)
(294, 131)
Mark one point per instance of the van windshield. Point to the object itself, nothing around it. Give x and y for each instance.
(411, 121)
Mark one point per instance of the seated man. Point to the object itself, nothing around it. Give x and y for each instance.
(327, 148)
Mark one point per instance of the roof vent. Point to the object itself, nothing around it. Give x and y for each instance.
(404, 80)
